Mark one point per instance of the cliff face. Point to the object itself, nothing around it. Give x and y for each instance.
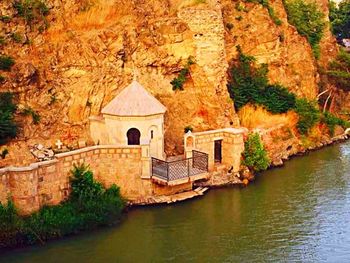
(93, 49)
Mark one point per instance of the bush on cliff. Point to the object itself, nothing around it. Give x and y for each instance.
(89, 205)
(308, 20)
(250, 85)
(339, 15)
(8, 127)
(331, 121)
(309, 115)
(339, 71)
(180, 80)
(255, 155)
(6, 62)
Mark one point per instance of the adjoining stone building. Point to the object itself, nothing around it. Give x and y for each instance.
(133, 117)
(128, 152)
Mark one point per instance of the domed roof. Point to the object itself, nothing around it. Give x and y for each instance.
(134, 100)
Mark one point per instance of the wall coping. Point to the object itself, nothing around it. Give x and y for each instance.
(36, 165)
(228, 130)
(97, 147)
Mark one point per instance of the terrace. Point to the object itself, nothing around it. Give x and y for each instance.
(180, 171)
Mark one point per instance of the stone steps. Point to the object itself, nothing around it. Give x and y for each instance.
(199, 191)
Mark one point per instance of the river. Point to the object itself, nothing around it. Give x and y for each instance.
(297, 213)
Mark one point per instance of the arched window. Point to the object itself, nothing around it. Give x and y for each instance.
(133, 136)
(152, 135)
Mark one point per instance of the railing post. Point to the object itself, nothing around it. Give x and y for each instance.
(188, 167)
(167, 171)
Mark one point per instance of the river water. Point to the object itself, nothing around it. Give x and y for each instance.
(297, 213)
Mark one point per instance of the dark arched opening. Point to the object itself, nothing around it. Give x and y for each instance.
(133, 136)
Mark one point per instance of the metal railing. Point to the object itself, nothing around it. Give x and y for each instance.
(170, 171)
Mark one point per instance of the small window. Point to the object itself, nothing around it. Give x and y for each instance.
(152, 134)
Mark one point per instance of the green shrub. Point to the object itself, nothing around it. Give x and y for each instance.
(32, 11)
(250, 85)
(180, 80)
(2, 41)
(339, 71)
(8, 127)
(28, 111)
(308, 20)
(16, 37)
(277, 99)
(331, 121)
(254, 155)
(5, 19)
(89, 205)
(271, 11)
(339, 15)
(309, 115)
(6, 63)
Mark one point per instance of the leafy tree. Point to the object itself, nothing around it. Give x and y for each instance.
(89, 205)
(254, 155)
(339, 71)
(309, 115)
(308, 20)
(331, 121)
(250, 85)
(278, 99)
(340, 18)
(248, 82)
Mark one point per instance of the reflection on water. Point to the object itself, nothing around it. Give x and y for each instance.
(300, 212)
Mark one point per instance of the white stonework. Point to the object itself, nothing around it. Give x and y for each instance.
(133, 117)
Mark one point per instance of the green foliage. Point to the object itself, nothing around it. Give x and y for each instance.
(4, 153)
(339, 71)
(188, 128)
(308, 20)
(5, 19)
(271, 11)
(6, 63)
(340, 18)
(2, 79)
(250, 85)
(309, 115)
(32, 11)
(90, 205)
(277, 99)
(180, 80)
(331, 121)
(28, 111)
(16, 37)
(255, 155)
(2, 41)
(8, 127)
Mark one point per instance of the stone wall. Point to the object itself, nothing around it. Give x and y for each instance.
(47, 183)
(232, 145)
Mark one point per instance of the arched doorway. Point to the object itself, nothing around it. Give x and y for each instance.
(133, 136)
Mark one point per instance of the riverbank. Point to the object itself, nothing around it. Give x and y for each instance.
(229, 180)
(298, 212)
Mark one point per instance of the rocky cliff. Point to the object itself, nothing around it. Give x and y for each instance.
(93, 49)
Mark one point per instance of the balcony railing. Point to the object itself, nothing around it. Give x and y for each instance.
(171, 171)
